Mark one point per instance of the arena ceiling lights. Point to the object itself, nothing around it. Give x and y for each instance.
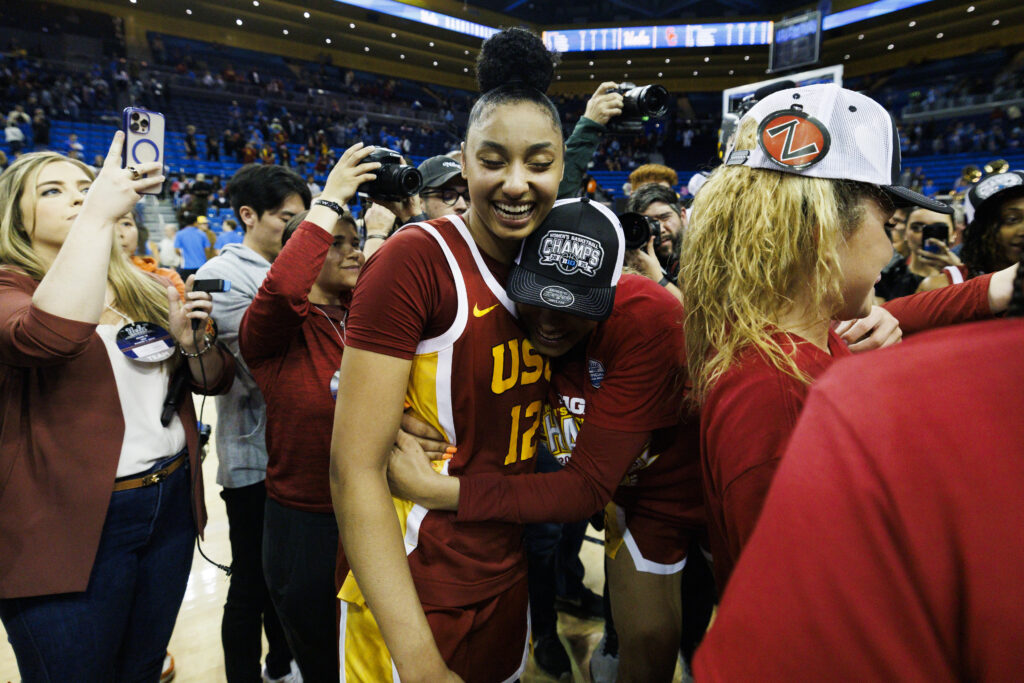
(635, 37)
(424, 16)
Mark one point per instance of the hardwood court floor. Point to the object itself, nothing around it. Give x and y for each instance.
(195, 643)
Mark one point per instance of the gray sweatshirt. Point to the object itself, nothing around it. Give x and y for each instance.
(242, 412)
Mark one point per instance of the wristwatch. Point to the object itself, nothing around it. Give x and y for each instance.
(333, 206)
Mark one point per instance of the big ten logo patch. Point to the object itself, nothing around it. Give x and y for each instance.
(518, 364)
(571, 253)
(561, 426)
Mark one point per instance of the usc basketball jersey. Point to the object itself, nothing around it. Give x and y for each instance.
(482, 384)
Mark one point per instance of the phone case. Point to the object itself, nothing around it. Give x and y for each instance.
(143, 138)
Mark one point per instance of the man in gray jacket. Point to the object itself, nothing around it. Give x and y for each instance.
(264, 198)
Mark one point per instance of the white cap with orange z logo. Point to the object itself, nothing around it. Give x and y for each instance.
(825, 131)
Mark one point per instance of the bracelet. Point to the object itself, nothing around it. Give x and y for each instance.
(376, 236)
(209, 345)
(333, 206)
(664, 281)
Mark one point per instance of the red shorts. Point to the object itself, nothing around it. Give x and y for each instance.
(656, 546)
(487, 641)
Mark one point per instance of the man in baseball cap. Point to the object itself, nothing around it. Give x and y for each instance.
(444, 189)
(825, 131)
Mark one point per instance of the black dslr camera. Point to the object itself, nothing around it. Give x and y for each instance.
(638, 229)
(638, 105)
(394, 182)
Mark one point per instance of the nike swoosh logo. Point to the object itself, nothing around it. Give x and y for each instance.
(479, 314)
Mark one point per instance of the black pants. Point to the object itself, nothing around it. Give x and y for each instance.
(248, 607)
(298, 560)
(553, 559)
(699, 599)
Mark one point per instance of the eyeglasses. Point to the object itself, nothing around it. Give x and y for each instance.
(449, 196)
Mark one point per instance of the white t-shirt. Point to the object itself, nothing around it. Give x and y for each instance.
(142, 389)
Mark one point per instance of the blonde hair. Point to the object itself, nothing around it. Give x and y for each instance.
(759, 243)
(136, 294)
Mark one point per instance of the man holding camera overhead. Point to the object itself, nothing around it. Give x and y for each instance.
(444, 192)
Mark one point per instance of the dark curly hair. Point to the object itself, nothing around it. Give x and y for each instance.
(514, 66)
(982, 252)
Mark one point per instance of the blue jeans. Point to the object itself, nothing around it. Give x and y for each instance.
(118, 629)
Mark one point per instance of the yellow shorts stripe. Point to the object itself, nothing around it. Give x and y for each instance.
(364, 656)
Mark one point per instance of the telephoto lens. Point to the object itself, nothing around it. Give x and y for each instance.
(394, 181)
(647, 100)
(639, 104)
(638, 229)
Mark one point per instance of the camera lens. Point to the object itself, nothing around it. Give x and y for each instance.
(410, 180)
(636, 229)
(652, 100)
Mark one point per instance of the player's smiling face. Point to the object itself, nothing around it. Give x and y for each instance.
(554, 333)
(513, 161)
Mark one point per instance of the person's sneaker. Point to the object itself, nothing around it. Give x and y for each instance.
(588, 605)
(551, 657)
(168, 671)
(604, 663)
(293, 676)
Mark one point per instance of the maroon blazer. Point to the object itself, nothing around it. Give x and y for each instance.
(61, 429)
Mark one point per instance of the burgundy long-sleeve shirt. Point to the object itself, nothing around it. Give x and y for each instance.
(751, 411)
(293, 348)
(60, 443)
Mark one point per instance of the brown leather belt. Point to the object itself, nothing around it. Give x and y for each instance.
(152, 477)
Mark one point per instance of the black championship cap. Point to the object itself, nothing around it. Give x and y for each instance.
(572, 262)
(437, 171)
(988, 193)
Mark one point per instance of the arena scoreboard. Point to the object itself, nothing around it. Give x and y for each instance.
(729, 34)
(796, 41)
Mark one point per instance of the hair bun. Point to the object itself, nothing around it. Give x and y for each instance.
(515, 54)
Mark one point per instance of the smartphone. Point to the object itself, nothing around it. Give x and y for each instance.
(143, 138)
(935, 231)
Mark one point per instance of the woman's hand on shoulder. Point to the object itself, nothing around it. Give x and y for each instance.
(117, 190)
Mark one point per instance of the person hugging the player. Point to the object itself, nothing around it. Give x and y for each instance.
(612, 413)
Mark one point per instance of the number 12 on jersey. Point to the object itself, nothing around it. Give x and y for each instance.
(524, 446)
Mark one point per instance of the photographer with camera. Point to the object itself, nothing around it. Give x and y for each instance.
(660, 204)
(604, 105)
(395, 198)
(615, 108)
(643, 238)
(444, 191)
(292, 340)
